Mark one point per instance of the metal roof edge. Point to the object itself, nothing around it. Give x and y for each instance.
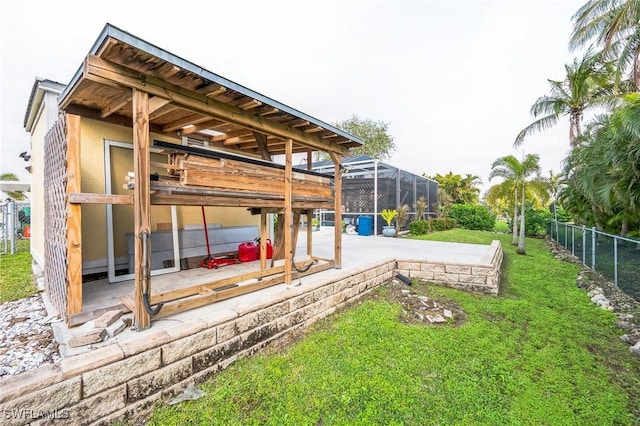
(110, 30)
(40, 85)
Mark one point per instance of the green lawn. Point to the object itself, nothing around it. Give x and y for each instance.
(540, 353)
(501, 226)
(16, 280)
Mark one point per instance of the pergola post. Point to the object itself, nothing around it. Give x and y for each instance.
(309, 213)
(337, 208)
(74, 219)
(141, 208)
(288, 213)
(264, 235)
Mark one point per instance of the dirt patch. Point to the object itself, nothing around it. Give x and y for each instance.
(418, 308)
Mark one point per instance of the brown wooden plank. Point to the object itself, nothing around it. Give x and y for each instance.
(115, 106)
(74, 219)
(105, 72)
(337, 181)
(162, 199)
(141, 207)
(202, 300)
(309, 212)
(264, 235)
(156, 102)
(89, 198)
(193, 290)
(261, 140)
(288, 189)
(254, 184)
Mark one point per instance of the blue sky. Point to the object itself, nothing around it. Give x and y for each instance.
(455, 79)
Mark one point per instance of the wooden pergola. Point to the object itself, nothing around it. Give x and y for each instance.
(127, 81)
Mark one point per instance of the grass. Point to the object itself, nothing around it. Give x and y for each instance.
(540, 353)
(16, 279)
(501, 226)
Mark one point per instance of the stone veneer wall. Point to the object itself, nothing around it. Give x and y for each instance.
(125, 379)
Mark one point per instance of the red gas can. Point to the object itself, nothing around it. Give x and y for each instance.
(250, 251)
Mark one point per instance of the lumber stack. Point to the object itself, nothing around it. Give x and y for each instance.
(227, 174)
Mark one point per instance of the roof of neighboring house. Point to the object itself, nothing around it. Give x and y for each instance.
(40, 86)
(188, 100)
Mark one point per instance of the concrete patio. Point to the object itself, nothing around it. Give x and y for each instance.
(413, 258)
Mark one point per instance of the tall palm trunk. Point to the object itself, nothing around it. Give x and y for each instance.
(521, 239)
(624, 229)
(514, 223)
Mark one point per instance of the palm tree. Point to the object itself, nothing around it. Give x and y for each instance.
(517, 173)
(16, 195)
(554, 184)
(470, 193)
(604, 170)
(615, 26)
(587, 84)
(461, 190)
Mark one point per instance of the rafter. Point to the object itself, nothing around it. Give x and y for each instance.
(212, 90)
(156, 103)
(250, 104)
(267, 110)
(105, 72)
(210, 124)
(179, 124)
(261, 140)
(163, 110)
(116, 105)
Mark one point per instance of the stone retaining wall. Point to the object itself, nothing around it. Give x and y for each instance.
(125, 379)
(483, 277)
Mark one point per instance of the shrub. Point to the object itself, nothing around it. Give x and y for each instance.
(419, 227)
(472, 217)
(442, 223)
(536, 220)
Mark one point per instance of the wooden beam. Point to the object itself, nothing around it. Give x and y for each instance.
(206, 125)
(268, 110)
(116, 105)
(87, 198)
(141, 207)
(337, 180)
(288, 179)
(250, 104)
(236, 140)
(105, 72)
(74, 219)
(163, 110)
(309, 212)
(264, 235)
(208, 298)
(212, 90)
(179, 124)
(298, 123)
(155, 103)
(261, 140)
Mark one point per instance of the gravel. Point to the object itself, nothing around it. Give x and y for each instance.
(26, 337)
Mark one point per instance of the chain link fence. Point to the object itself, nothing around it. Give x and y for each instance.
(617, 258)
(15, 224)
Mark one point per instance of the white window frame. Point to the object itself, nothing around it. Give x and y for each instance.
(111, 264)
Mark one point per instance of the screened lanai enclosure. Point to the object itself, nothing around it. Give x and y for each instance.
(370, 185)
